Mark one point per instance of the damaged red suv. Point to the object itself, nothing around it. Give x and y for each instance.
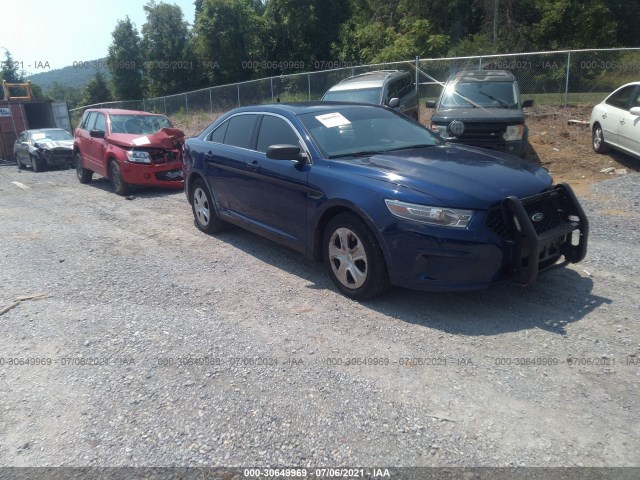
(129, 148)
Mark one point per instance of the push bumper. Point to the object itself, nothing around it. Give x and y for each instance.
(537, 251)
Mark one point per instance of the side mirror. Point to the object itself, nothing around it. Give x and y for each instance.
(527, 104)
(394, 103)
(283, 152)
(430, 104)
(635, 111)
(96, 133)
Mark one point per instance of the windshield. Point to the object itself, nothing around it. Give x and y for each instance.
(51, 136)
(361, 95)
(480, 94)
(358, 131)
(138, 124)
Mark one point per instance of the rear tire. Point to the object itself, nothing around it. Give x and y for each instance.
(597, 140)
(84, 175)
(120, 187)
(354, 258)
(204, 209)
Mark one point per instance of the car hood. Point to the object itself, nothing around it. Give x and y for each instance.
(458, 176)
(163, 138)
(52, 144)
(501, 115)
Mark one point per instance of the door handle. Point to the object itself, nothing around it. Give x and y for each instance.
(253, 166)
(604, 115)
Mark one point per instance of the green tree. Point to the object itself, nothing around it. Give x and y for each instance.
(96, 91)
(125, 61)
(58, 91)
(228, 35)
(304, 30)
(9, 70)
(168, 52)
(574, 24)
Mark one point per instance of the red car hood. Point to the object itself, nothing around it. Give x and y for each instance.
(163, 138)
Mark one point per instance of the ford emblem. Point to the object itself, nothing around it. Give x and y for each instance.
(537, 217)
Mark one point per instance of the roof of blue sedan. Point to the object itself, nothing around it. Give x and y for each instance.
(302, 107)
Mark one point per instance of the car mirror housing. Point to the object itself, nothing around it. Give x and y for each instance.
(394, 103)
(635, 111)
(430, 104)
(283, 152)
(527, 104)
(97, 133)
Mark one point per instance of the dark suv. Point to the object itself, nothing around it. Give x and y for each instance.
(482, 108)
(393, 88)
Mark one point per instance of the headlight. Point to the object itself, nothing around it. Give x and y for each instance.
(445, 217)
(136, 156)
(514, 132)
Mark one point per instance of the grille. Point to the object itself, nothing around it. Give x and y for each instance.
(547, 203)
(482, 132)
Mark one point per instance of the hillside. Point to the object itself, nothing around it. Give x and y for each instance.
(75, 76)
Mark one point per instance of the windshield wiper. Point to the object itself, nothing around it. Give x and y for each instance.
(504, 104)
(408, 147)
(365, 153)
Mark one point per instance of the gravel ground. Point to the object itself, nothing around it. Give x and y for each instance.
(231, 350)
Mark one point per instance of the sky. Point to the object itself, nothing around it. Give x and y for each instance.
(45, 35)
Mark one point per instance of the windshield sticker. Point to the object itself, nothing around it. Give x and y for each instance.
(141, 141)
(331, 120)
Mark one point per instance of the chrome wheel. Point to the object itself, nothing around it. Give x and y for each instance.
(201, 207)
(599, 144)
(348, 258)
(597, 139)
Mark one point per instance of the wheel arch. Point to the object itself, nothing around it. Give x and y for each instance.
(333, 211)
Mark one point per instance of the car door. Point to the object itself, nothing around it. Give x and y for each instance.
(225, 152)
(97, 162)
(84, 139)
(629, 126)
(279, 189)
(616, 110)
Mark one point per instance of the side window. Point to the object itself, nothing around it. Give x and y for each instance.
(392, 90)
(91, 118)
(101, 123)
(83, 121)
(621, 98)
(22, 137)
(217, 135)
(635, 102)
(274, 131)
(240, 130)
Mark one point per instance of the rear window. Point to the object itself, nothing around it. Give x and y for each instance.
(361, 95)
(240, 130)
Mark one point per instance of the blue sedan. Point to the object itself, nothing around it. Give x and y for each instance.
(380, 199)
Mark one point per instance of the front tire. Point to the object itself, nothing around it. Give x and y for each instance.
(18, 162)
(597, 140)
(354, 258)
(36, 163)
(204, 210)
(120, 187)
(84, 175)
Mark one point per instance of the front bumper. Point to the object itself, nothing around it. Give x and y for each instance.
(58, 158)
(167, 175)
(495, 248)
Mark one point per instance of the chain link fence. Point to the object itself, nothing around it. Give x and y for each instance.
(563, 78)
